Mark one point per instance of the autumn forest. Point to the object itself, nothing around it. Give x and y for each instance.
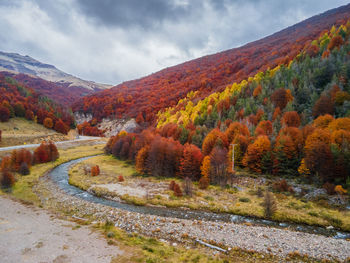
(253, 137)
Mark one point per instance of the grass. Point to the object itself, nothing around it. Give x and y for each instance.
(19, 131)
(135, 247)
(22, 189)
(215, 199)
(138, 248)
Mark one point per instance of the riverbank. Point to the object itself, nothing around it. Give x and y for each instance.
(244, 243)
(264, 240)
(37, 191)
(243, 199)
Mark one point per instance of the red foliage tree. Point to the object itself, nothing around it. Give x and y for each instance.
(280, 98)
(214, 138)
(257, 91)
(46, 152)
(324, 105)
(255, 152)
(87, 129)
(318, 156)
(4, 114)
(204, 182)
(177, 190)
(7, 179)
(264, 128)
(219, 164)
(291, 119)
(61, 127)
(29, 115)
(190, 162)
(120, 178)
(335, 42)
(236, 128)
(20, 156)
(48, 123)
(323, 121)
(95, 170)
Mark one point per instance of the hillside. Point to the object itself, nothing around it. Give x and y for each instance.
(61, 94)
(144, 97)
(19, 100)
(19, 130)
(291, 121)
(57, 81)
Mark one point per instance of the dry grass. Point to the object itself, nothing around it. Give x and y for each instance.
(19, 131)
(216, 199)
(135, 247)
(23, 187)
(138, 248)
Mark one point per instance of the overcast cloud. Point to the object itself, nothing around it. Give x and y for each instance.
(111, 41)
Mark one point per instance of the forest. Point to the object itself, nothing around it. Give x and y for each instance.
(144, 97)
(292, 120)
(19, 100)
(58, 92)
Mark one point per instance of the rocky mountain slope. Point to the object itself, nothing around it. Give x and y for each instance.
(16, 63)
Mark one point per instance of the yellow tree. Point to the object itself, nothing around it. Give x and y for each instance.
(205, 168)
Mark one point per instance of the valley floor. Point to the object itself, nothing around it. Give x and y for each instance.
(26, 231)
(263, 240)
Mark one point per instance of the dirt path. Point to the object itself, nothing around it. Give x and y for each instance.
(29, 234)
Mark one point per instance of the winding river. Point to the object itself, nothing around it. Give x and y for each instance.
(60, 176)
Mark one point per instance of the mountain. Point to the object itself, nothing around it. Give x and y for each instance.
(292, 120)
(60, 93)
(15, 63)
(144, 97)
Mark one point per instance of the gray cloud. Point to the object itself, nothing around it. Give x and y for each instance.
(128, 13)
(113, 41)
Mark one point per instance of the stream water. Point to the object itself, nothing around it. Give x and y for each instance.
(60, 176)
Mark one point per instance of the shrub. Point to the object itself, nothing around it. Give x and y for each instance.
(244, 199)
(177, 190)
(18, 157)
(329, 187)
(171, 185)
(7, 179)
(340, 190)
(204, 182)
(269, 204)
(29, 115)
(95, 170)
(282, 186)
(24, 169)
(4, 114)
(48, 123)
(46, 152)
(120, 178)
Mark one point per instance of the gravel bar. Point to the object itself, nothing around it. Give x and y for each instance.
(280, 242)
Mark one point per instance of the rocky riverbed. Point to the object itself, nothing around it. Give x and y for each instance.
(281, 242)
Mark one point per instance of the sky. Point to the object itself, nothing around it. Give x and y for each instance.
(111, 41)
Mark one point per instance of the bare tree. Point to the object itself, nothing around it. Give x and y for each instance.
(269, 204)
(187, 186)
